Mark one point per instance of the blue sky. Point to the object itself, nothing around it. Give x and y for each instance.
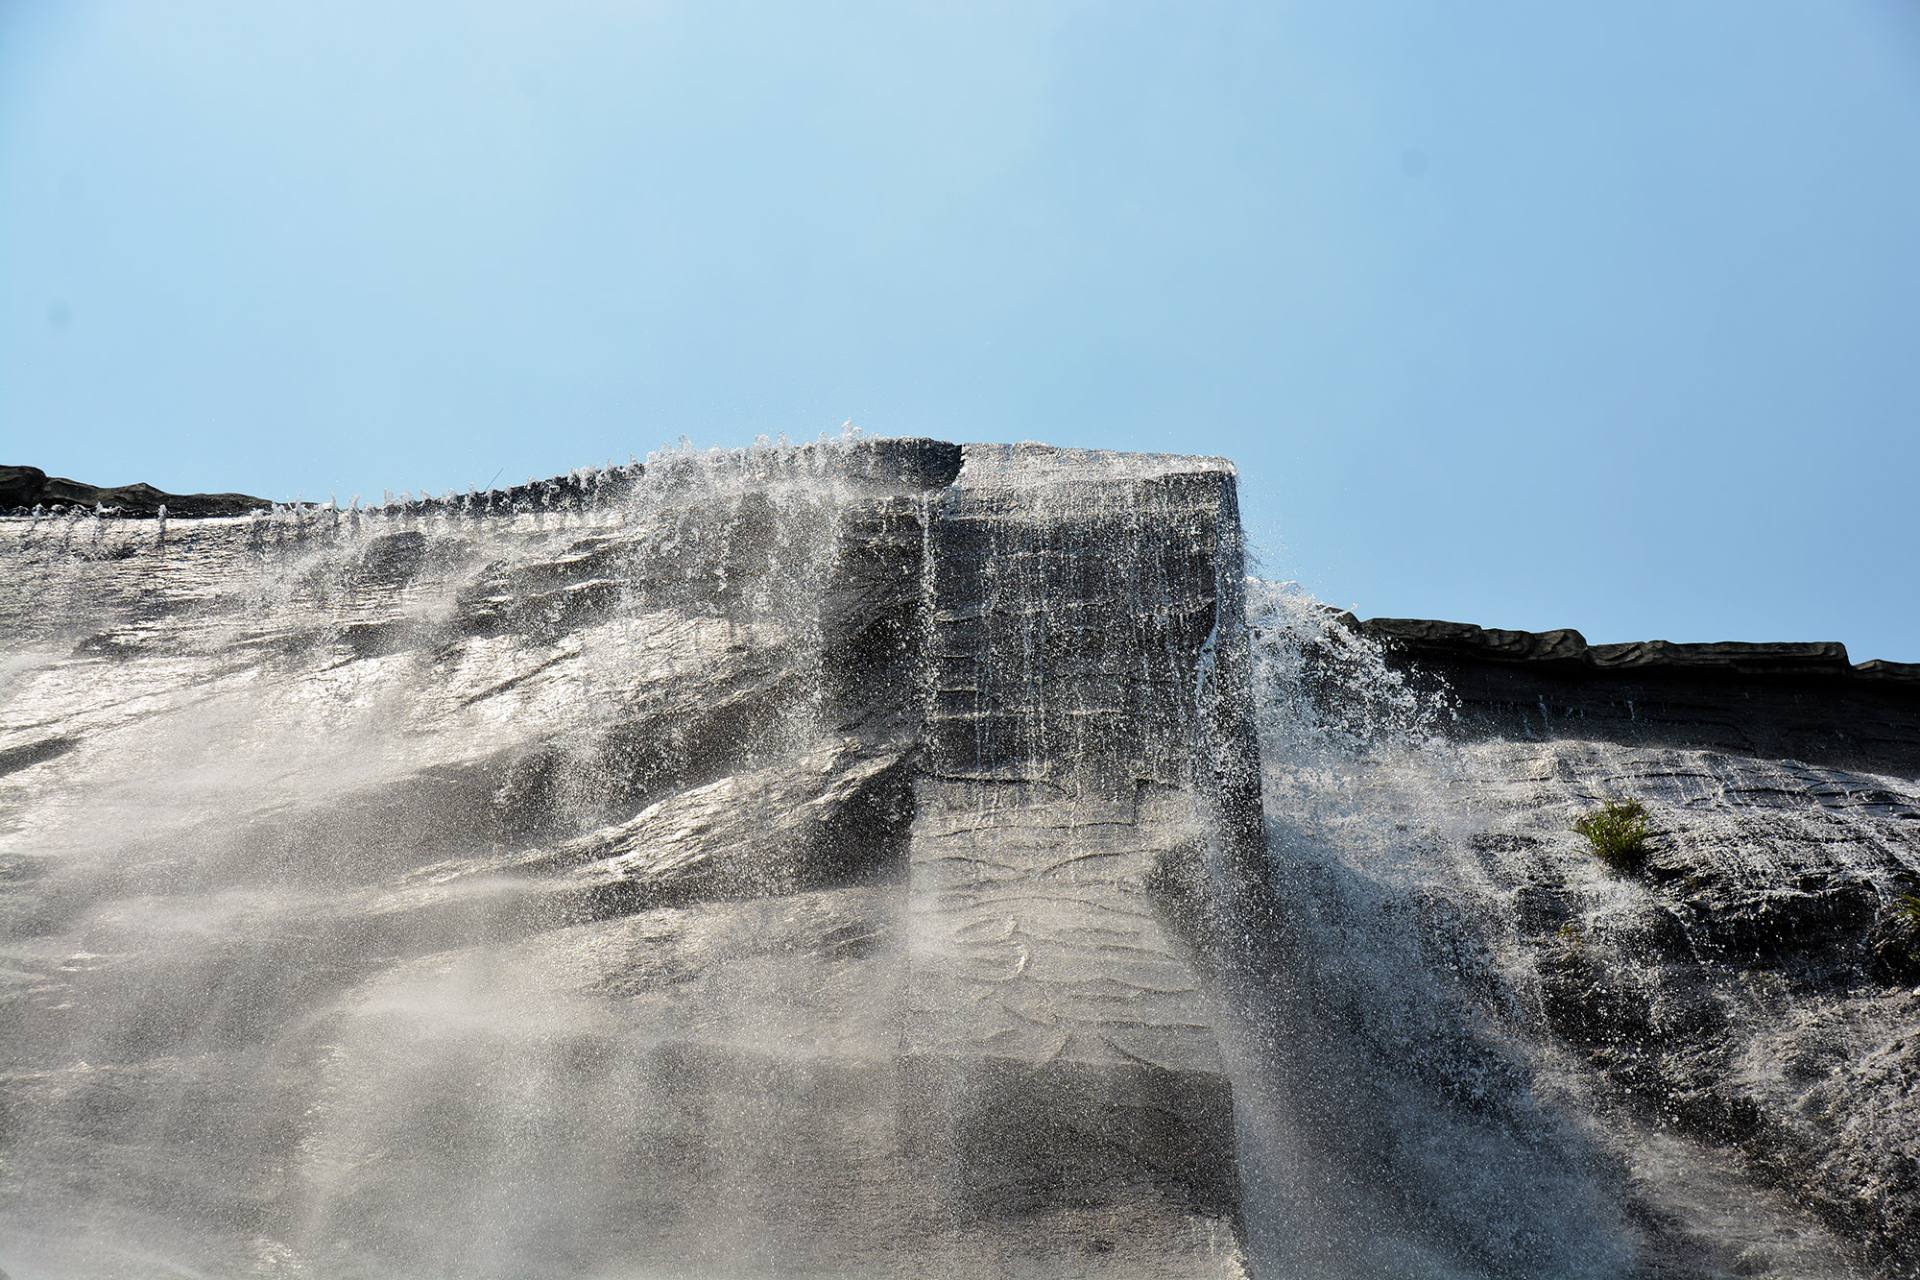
(1533, 315)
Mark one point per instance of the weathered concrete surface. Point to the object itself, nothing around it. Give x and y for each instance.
(575, 881)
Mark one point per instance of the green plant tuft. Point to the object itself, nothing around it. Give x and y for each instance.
(1618, 833)
(1901, 944)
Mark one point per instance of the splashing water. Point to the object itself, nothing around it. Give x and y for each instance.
(535, 883)
(274, 791)
(1417, 1113)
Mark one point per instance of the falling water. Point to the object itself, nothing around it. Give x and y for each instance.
(804, 860)
(296, 808)
(1420, 1111)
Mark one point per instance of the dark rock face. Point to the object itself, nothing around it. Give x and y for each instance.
(1751, 986)
(23, 488)
(1797, 701)
(773, 863)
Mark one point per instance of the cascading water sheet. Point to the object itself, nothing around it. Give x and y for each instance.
(883, 858)
(527, 883)
(1454, 971)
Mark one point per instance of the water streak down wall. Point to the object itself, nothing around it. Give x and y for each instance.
(1077, 710)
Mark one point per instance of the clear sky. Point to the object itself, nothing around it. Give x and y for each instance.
(1595, 315)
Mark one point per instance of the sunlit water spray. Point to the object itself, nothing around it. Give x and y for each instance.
(348, 858)
(1417, 1113)
(329, 742)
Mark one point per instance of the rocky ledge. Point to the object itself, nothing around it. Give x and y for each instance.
(24, 488)
(1803, 701)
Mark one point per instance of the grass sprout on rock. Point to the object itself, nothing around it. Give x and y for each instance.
(1618, 833)
(1906, 909)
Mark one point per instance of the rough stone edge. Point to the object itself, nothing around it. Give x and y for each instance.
(1567, 651)
(22, 488)
(901, 463)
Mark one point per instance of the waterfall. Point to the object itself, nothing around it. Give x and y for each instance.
(1420, 1111)
(872, 858)
(281, 923)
